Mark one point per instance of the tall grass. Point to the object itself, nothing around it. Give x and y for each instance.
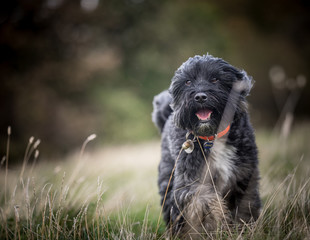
(112, 193)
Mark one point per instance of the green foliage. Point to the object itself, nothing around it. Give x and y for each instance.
(124, 116)
(62, 66)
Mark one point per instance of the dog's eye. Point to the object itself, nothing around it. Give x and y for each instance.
(214, 80)
(188, 82)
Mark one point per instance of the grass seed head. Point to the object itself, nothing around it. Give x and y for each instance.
(91, 137)
(37, 143)
(31, 140)
(36, 153)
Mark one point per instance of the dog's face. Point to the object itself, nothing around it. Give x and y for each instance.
(200, 90)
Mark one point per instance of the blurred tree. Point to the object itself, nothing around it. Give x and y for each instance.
(71, 68)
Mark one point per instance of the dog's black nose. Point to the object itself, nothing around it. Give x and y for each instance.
(200, 97)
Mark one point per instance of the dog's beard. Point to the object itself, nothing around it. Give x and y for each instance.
(205, 129)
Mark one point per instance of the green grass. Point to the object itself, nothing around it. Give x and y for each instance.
(112, 194)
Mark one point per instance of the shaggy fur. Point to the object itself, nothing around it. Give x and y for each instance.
(210, 187)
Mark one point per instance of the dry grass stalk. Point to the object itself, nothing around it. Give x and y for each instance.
(7, 164)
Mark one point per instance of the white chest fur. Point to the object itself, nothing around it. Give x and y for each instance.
(221, 159)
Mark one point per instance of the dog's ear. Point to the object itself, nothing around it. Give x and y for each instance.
(244, 84)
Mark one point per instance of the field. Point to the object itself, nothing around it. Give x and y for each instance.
(111, 193)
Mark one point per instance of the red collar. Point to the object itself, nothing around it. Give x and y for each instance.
(219, 135)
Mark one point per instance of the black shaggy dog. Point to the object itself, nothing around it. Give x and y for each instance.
(214, 182)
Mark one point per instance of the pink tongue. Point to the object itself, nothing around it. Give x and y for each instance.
(203, 114)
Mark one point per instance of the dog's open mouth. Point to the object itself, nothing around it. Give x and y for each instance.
(204, 114)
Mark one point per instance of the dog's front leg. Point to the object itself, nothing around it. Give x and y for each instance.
(185, 210)
(201, 210)
(179, 199)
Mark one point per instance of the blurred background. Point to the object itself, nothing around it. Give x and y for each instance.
(72, 68)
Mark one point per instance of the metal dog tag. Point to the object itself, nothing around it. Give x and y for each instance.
(188, 146)
(208, 145)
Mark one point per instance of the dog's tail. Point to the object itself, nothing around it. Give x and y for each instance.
(161, 109)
